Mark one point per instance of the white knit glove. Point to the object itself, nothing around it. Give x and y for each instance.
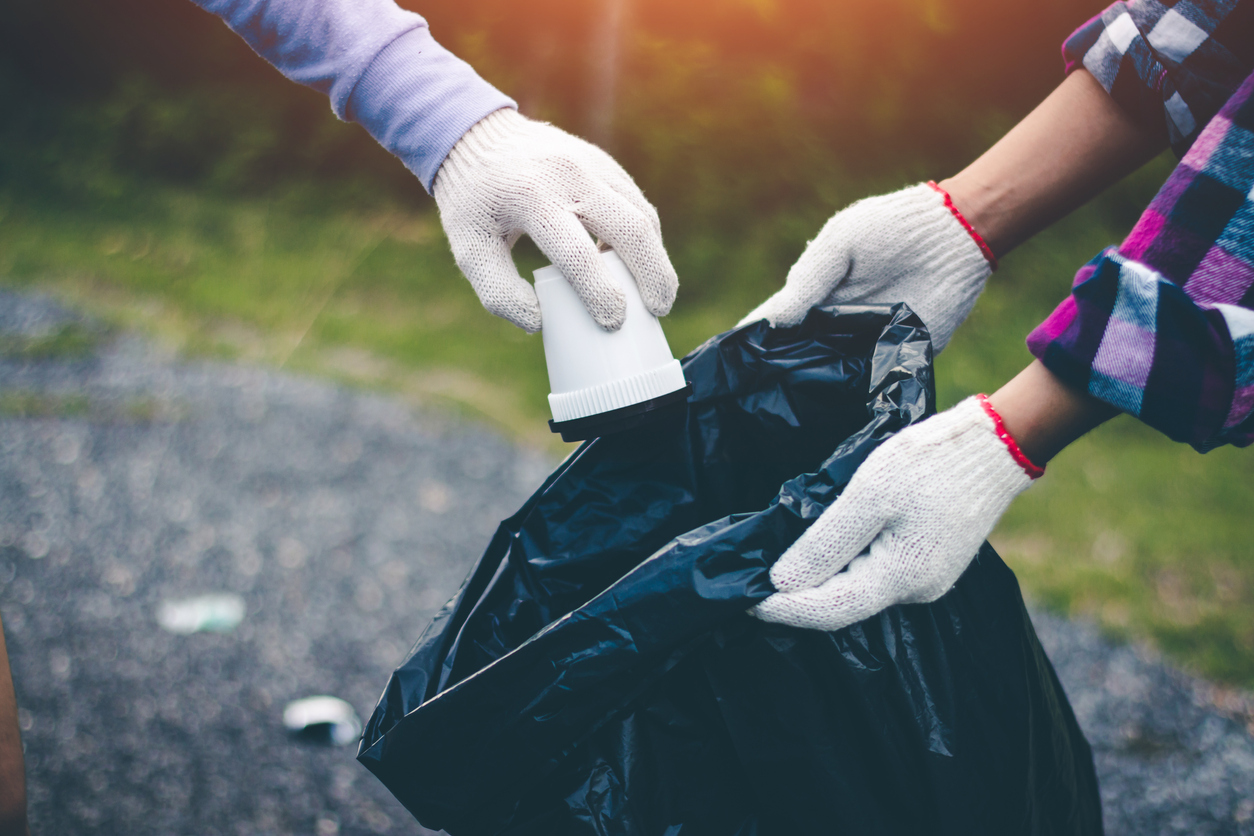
(908, 246)
(510, 176)
(923, 501)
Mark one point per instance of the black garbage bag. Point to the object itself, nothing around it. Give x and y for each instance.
(597, 673)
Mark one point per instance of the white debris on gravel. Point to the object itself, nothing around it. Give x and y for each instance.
(337, 717)
(207, 613)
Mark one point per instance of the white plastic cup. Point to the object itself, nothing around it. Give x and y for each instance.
(593, 371)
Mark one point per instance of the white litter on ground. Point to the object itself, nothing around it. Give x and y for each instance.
(206, 613)
(305, 716)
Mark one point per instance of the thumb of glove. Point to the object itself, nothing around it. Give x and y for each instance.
(811, 279)
(488, 265)
(838, 536)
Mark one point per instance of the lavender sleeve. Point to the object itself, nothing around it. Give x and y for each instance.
(379, 66)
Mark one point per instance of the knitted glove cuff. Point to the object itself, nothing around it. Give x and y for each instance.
(985, 249)
(931, 261)
(490, 135)
(1033, 471)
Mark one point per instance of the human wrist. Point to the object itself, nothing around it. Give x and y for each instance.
(1030, 468)
(972, 232)
(1043, 414)
(980, 204)
(477, 150)
(484, 137)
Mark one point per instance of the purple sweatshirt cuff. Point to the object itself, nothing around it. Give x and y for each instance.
(418, 99)
(379, 66)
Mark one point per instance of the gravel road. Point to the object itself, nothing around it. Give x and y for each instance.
(343, 520)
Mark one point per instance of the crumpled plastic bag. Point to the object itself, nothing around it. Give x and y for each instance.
(598, 673)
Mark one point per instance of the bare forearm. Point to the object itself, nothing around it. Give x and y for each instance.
(12, 766)
(1073, 146)
(1045, 415)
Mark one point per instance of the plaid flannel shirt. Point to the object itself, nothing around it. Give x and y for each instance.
(1168, 63)
(1162, 327)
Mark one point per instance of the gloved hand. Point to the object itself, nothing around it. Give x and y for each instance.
(510, 176)
(923, 501)
(906, 246)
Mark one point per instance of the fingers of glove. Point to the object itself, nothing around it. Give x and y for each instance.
(835, 538)
(620, 181)
(827, 260)
(562, 238)
(847, 598)
(486, 262)
(614, 220)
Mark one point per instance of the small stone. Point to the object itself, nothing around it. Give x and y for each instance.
(292, 553)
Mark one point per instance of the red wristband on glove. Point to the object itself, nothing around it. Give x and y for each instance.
(975, 236)
(1033, 471)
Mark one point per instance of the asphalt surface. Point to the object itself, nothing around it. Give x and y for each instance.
(343, 520)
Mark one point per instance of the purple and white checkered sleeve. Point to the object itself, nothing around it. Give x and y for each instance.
(1240, 421)
(1163, 327)
(1169, 65)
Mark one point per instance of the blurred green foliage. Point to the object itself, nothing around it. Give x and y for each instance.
(725, 110)
(154, 169)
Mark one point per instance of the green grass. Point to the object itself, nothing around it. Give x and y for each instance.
(371, 296)
(70, 342)
(20, 403)
(368, 295)
(1145, 536)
